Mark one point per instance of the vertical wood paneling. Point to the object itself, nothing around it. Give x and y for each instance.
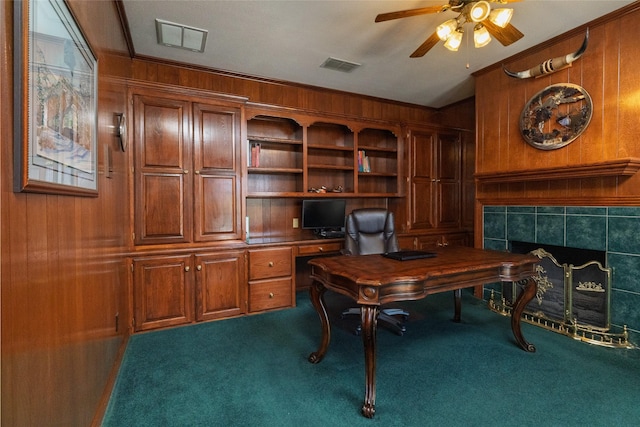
(629, 86)
(63, 278)
(608, 71)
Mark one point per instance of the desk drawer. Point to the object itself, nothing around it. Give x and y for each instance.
(268, 294)
(319, 248)
(266, 263)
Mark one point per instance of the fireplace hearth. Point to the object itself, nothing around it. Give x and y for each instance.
(573, 294)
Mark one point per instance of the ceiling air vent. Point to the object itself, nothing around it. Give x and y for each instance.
(340, 65)
(182, 36)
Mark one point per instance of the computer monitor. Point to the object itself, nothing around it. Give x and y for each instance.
(323, 214)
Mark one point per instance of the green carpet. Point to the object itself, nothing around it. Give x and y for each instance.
(253, 371)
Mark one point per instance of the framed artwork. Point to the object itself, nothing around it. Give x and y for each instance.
(55, 84)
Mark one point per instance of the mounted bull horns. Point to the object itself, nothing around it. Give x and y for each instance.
(551, 65)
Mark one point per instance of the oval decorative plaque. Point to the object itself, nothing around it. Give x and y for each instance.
(555, 116)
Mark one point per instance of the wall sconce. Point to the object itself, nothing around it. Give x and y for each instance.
(121, 130)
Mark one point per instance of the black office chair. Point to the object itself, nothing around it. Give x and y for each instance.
(372, 231)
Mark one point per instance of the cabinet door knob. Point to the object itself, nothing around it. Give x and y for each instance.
(270, 263)
(199, 267)
(186, 268)
(271, 295)
(197, 172)
(186, 171)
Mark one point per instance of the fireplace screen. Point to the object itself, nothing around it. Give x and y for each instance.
(569, 299)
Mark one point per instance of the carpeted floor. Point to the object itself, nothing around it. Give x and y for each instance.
(253, 371)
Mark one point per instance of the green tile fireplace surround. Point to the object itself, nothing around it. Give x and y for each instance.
(614, 230)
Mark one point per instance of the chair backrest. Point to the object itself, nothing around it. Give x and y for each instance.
(370, 231)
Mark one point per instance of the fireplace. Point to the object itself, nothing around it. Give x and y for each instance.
(573, 293)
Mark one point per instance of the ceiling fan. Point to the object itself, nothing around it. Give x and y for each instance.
(486, 23)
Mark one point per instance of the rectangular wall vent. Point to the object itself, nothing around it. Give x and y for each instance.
(340, 65)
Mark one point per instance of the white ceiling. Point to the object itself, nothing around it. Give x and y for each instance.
(289, 40)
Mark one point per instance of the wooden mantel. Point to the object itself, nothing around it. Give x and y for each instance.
(618, 167)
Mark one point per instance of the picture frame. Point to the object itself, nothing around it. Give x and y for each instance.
(55, 100)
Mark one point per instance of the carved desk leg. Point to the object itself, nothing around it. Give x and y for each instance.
(457, 296)
(316, 293)
(369, 326)
(525, 296)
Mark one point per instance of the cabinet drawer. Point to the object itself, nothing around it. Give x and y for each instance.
(268, 294)
(319, 248)
(266, 263)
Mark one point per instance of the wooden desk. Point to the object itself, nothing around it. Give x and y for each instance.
(373, 280)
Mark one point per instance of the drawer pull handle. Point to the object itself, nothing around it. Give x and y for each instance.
(270, 263)
(321, 249)
(271, 295)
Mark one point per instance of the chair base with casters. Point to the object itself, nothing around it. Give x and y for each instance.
(391, 318)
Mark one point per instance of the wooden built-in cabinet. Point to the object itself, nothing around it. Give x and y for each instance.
(271, 274)
(175, 290)
(187, 167)
(220, 284)
(162, 291)
(204, 249)
(435, 240)
(187, 193)
(435, 179)
(438, 209)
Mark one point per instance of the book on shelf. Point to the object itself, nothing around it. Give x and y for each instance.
(254, 159)
(363, 162)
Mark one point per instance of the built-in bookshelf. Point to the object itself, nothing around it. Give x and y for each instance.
(379, 153)
(303, 157)
(275, 156)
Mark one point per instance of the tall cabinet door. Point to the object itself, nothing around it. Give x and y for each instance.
(162, 158)
(423, 180)
(435, 179)
(217, 165)
(448, 180)
(219, 285)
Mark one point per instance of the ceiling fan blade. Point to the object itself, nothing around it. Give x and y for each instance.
(411, 12)
(426, 46)
(506, 35)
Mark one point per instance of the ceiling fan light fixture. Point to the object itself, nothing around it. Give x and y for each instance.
(481, 36)
(501, 17)
(479, 11)
(454, 41)
(446, 29)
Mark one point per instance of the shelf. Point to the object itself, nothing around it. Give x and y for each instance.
(274, 170)
(377, 174)
(269, 140)
(330, 147)
(331, 167)
(611, 168)
(377, 149)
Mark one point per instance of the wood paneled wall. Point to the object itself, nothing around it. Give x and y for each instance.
(63, 271)
(63, 277)
(265, 91)
(609, 72)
